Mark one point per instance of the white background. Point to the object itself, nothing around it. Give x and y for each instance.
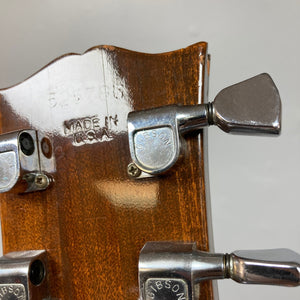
(254, 181)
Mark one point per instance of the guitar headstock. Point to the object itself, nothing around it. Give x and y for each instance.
(104, 152)
(95, 218)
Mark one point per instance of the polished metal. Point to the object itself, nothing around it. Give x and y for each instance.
(252, 106)
(171, 270)
(161, 288)
(23, 275)
(154, 134)
(274, 267)
(26, 161)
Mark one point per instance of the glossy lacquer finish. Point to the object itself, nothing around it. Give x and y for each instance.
(94, 219)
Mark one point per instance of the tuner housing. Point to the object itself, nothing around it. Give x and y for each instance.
(156, 135)
(154, 139)
(23, 275)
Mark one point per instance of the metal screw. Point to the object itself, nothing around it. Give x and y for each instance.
(41, 181)
(133, 170)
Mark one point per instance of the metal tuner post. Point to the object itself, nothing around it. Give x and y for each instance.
(252, 107)
(171, 270)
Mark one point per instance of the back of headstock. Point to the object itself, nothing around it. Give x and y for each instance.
(94, 218)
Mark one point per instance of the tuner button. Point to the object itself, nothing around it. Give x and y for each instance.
(274, 267)
(252, 106)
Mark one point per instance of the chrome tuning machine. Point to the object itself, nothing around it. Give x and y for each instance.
(252, 106)
(26, 161)
(172, 270)
(23, 275)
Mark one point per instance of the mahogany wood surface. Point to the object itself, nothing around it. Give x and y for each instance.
(94, 219)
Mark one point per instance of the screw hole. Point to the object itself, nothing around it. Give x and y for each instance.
(46, 147)
(37, 272)
(26, 143)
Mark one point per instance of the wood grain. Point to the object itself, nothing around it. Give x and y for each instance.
(94, 220)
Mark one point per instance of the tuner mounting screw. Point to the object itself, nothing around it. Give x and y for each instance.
(41, 181)
(133, 170)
